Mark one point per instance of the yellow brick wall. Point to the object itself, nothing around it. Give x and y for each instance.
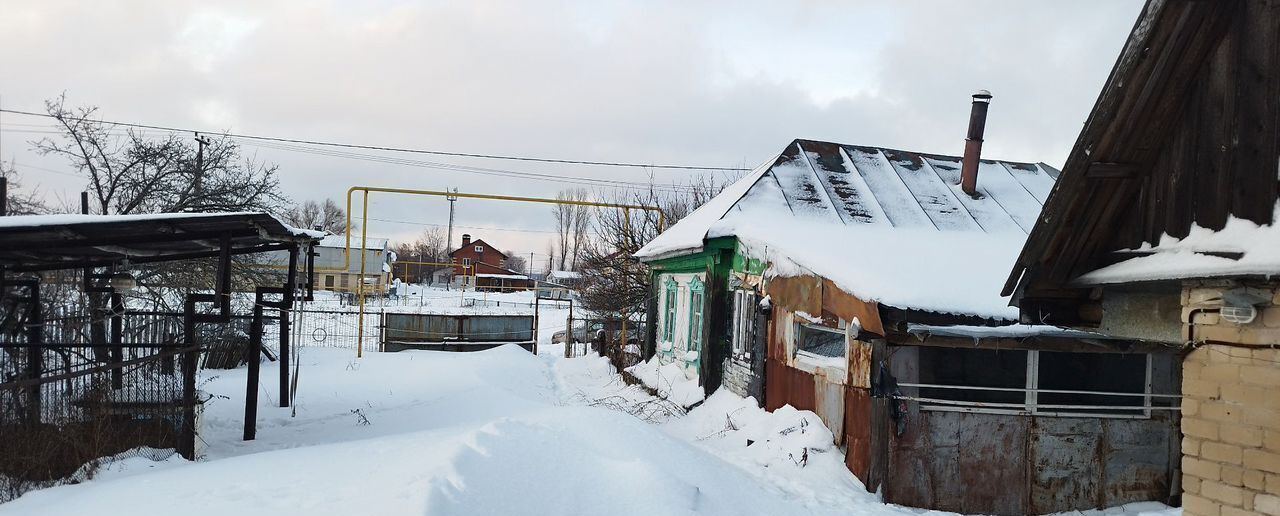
(1230, 409)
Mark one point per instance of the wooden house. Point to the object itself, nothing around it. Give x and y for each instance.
(863, 284)
(1163, 228)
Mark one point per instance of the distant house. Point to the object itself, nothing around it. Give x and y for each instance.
(863, 283)
(335, 272)
(1165, 227)
(568, 279)
(480, 265)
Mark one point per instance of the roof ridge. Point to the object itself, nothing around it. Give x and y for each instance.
(919, 153)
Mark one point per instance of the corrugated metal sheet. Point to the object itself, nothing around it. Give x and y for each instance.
(869, 185)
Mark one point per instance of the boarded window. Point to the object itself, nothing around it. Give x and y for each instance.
(344, 280)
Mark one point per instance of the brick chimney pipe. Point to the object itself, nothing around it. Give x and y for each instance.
(466, 240)
(973, 142)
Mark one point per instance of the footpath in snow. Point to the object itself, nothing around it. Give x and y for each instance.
(498, 432)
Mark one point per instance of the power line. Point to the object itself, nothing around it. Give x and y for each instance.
(487, 228)
(339, 153)
(395, 149)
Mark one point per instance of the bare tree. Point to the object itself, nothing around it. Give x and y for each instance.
(572, 223)
(429, 248)
(516, 262)
(327, 216)
(18, 201)
(131, 172)
(614, 283)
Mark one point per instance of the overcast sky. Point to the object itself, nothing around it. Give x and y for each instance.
(693, 83)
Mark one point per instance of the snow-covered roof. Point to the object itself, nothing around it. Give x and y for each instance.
(563, 275)
(886, 225)
(373, 244)
(62, 219)
(1009, 331)
(1240, 248)
(503, 276)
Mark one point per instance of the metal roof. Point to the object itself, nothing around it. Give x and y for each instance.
(852, 184)
(48, 242)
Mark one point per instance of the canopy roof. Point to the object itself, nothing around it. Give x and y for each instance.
(48, 242)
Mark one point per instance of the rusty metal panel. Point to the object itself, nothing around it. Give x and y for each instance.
(924, 462)
(796, 293)
(829, 403)
(847, 306)
(787, 385)
(1066, 472)
(1137, 460)
(857, 433)
(993, 463)
(860, 364)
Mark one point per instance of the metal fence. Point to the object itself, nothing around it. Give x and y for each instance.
(604, 337)
(82, 393)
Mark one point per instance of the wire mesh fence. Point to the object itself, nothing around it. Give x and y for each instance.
(95, 385)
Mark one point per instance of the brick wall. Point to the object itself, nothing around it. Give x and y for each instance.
(1230, 409)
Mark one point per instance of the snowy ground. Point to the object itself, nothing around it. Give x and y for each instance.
(499, 432)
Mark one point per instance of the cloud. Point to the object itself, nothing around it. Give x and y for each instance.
(722, 84)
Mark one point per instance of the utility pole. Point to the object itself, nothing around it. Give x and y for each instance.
(452, 199)
(528, 268)
(198, 185)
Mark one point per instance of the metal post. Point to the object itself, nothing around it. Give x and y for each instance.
(537, 317)
(4, 196)
(190, 361)
(290, 285)
(568, 332)
(35, 352)
(117, 340)
(364, 233)
(253, 356)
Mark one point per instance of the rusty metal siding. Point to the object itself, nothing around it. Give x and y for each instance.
(971, 463)
(789, 386)
(857, 433)
(1068, 466)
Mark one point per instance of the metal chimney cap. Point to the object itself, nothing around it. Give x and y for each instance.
(982, 95)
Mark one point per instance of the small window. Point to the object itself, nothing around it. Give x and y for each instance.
(820, 341)
(669, 314)
(328, 281)
(744, 314)
(466, 262)
(344, 281)
(695, 314)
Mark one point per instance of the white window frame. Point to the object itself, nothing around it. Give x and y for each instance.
(1031, 406)
(466, 262)
(479, 249)
(743, 323)
(811, 362)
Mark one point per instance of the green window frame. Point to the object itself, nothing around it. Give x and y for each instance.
(669, 316)
(696, 297)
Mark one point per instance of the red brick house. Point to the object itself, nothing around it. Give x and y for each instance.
(485, 266)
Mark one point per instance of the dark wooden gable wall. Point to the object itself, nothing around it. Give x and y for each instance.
(1184, 132)
(1220, 158)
